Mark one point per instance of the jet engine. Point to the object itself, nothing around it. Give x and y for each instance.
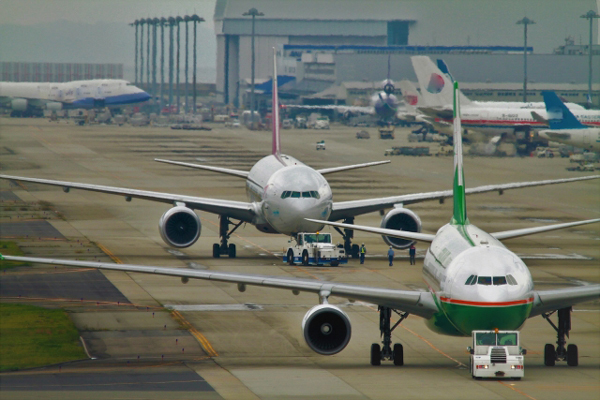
(401, 219)
(326, 329)
(19, 104)
(180, 227)
(54, 106)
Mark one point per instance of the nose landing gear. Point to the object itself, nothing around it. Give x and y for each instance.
(386, 353)
(225, 248)
(568, 354)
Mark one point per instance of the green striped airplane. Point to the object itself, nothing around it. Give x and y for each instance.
(475, 283)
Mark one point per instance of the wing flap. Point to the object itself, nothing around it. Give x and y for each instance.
(414, 302)
(235, 209)
(228, 171)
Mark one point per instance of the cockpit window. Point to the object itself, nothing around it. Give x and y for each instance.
(471, 280)
(511, 280)
(315, 194)
(296, 195)
(286, 194)
(499, 280)
(306, 195)
(484, 280)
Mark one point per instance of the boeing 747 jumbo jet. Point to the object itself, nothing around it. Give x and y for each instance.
(565, 127)
(23, 97)
(475, 283)
(282, 192)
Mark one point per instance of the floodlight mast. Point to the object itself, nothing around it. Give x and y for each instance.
(525, 21)
(254, 13)
(590, 15)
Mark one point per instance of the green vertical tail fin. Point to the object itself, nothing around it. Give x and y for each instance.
(460, 204)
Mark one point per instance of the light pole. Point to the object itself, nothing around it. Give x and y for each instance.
(254, 13)
(136, 23)
(525, 21)
(591, 15)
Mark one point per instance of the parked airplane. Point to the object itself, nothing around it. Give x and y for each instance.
(436, 89)
(25, 97)
(565, 127)
(475, 284)
(282, 192)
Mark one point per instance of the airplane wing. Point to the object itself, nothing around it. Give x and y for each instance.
(228, 171)
(539, 118)
(235, 209)
(530, 231)
(340, 108)
(550, 300)
(443, 113)
(422, 237)
(352, 208)
(333, 170)
(411, 301)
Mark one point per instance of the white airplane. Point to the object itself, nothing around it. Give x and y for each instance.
(475, 284)
(565, 127)
(436, 89)
(282, 192)
(23, 97)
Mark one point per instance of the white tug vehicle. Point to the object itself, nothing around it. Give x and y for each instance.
(497, 354)
(315, 249)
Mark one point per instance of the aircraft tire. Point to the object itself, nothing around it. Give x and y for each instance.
(375, 354)
(398, 354)
(290, 256)
(335, 263)
(216, 250)
(572, 355)
(231, 250)
(549, 355)
(305, 258)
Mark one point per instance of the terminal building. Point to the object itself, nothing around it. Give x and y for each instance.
(326, 43)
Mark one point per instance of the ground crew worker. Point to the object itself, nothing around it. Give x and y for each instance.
(363, 251)
(412, 252)
(391, 256)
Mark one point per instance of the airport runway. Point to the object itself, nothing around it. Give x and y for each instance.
(257, 351)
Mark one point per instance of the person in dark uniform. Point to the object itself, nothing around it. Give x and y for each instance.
(391, 256)
(412, 252)
(363, 251)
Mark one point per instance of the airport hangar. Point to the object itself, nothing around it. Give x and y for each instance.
(326, 43)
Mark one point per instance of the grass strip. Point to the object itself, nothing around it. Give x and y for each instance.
(33, 336)
(10, 249)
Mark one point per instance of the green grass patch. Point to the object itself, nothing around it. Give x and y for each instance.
(10, 249)
(34, 336)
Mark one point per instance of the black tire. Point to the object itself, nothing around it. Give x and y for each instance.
(551, 155)
(305, 258)
(549, 355)
(355, 251)
(216, 250)
(572, 355)
(335, 263)
(398, 354)
(290, 256)
(375, 354)
(231, 250)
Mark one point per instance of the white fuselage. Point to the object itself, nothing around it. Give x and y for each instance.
(76, 94)
(309, 195)
(588, 139)
(459, 253)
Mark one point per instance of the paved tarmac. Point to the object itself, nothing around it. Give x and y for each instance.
(258, 351)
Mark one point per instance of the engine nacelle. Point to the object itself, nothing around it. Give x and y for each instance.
(401, 219)
(54, 106)
(326, 329)
(180, 227)
(19, 104)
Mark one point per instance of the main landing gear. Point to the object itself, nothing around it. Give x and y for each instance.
(225, 248)
(348, 235)
(386, 353)
(570, 354)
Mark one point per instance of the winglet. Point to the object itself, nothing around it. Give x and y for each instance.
(275, 110)
(460, 203)
(559, 115)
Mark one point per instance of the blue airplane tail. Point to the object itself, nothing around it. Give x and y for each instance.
(559, 116)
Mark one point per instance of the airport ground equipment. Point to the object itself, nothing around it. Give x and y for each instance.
(386, 132)
(408, 151)
(315, 249)
(321, 145)
(496, 354)
(363, 135)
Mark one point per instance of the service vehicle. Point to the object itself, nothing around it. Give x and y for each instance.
(363, 135)
(497, 354)
(321, 145)
(315, 249)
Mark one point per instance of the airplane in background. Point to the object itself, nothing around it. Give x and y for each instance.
(282, 192)
(565, 127)
(24, 98)
(475, 283)
(436, 89)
